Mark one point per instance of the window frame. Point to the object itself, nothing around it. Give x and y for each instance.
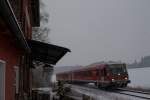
(4, 78)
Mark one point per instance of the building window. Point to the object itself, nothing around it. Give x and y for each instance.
(2, 80)
(17, 79)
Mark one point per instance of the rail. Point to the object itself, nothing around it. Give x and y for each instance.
(135, 93)
(123, 91)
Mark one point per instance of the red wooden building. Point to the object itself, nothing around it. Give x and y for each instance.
(17, 17)
(15, 28)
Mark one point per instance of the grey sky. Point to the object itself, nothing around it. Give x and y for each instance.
(100, 30)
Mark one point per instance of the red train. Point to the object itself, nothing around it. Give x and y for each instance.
(103, 75)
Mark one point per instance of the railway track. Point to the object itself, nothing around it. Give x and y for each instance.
(133, 93)
(136, 91)
(139, 94)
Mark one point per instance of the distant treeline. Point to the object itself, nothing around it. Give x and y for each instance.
(145, 62)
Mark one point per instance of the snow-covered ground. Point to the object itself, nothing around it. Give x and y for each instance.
(53, 78)
(140, 77)
(98, 94)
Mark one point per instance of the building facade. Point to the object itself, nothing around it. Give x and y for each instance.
(16, 22)
(18, 51)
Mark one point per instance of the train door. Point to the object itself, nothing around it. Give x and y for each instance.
(2, 80)
(97, 77)
(102, 75)
(102, 78)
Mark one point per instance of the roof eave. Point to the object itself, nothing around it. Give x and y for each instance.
(46, 53)
(9, 17)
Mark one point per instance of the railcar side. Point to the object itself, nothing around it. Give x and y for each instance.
(84, 76)
(103, 75)
(65, 76)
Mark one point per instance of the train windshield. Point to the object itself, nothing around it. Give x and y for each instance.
(118, 69)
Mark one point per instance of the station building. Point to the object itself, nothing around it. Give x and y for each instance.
(18, 50)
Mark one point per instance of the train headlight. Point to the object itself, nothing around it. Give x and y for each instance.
(126, 78)
(113, 80)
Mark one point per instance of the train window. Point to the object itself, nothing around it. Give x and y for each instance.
(83, 73)
(94, 72)
(80, 73)
(89, 73)
(76, 73)
(97, 72)
(115, 69)
(86, 73)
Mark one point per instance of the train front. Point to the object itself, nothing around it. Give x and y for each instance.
(118, 75)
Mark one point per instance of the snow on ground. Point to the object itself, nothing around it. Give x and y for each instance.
(140, 77)
(98, 94)
(53, 78)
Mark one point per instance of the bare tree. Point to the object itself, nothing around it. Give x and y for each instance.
(40, 77)
(41, 33)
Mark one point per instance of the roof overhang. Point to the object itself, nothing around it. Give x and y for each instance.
(9, 17)
(46, 53)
